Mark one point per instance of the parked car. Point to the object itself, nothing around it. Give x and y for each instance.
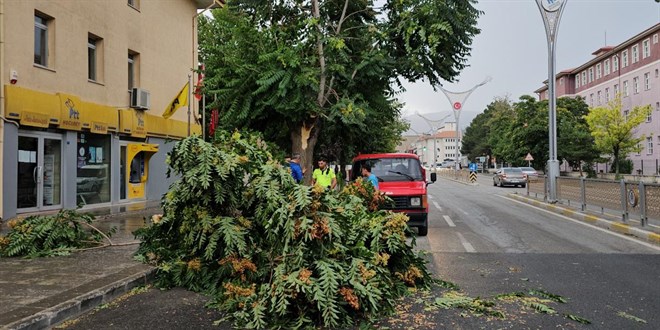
(512, 176)
(532, 174)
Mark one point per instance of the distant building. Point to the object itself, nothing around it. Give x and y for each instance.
(83, 86)
(631, 69)
(445, 144)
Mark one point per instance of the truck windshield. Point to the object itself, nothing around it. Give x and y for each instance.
(390, 169)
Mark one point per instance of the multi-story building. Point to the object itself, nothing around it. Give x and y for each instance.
(444, 141)
(631, 70)
(84, 87)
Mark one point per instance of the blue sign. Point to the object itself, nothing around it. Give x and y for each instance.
(473, 167)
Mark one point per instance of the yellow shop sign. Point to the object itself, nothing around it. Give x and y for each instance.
(98, 128)
(70, 110)
(35, 119)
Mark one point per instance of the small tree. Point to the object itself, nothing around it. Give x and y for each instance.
(613, 132)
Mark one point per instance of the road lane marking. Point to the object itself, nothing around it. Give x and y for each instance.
(449, 222)
(468, 247)
(586, 224)
(430, 196)
(437, 206)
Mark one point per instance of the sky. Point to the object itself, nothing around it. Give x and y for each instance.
(512, 49)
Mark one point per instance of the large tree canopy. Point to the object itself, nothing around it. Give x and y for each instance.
(295, 69)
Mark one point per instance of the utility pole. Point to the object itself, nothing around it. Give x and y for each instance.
(551, 11)
(457, 101)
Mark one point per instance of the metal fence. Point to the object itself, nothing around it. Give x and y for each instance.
(632, 199)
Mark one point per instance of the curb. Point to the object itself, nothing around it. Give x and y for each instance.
(47, 318)
(618, 227)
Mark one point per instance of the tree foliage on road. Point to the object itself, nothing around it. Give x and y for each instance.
(509, 131)
(295, 70)
(273, 253)
(613, 131)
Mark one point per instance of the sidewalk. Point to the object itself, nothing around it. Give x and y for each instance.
(39, 293)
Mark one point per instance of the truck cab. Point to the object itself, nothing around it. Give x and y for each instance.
(403, 179)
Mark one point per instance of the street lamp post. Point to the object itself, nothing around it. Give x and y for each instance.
(434, 130)
(457, 101)
(551, 11)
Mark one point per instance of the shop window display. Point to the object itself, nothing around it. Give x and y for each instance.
(93, 174)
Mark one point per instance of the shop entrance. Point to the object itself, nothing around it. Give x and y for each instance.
(39, 172)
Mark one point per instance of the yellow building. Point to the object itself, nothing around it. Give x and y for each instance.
(84, 87)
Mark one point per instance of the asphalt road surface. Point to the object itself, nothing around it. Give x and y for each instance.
(489, 245)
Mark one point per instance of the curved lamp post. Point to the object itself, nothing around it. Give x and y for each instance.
(434, 129)
(457, 101)
(551, 11)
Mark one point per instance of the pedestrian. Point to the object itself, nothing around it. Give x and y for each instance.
(366, 172)
(324, 176)
(296, 171)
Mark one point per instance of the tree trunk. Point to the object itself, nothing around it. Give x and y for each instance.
(303, 140)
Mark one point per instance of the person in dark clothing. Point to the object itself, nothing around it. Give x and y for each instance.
(296, 170)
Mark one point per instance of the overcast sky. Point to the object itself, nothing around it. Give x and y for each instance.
(512, 49)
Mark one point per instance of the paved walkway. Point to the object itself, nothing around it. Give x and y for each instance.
(39, 293)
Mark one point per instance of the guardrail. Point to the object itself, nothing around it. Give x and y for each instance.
(460, 175)
(639, 199)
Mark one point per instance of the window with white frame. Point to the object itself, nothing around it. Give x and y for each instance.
(42, 32)
(647, 81)
(625, 88)
(635, 53)
(624, 58)
(649, 118)
(656, 73)
(598, 75)
(93, 57)
(635, 85)
(591, 99)
(646, 48)
(649, 146)
(133, 69)
(577, 81)
(598, 98)
(639, 148)
(606, 64)
(607, 94)
(591, 74)
(657, 106)
(655, 38)
(561, 81)
(616, 90)
(615, 63)
(584, 78)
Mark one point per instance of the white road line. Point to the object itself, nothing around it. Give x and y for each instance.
(430, 196)
(437, 206)
(468, 247)
(586, 224)
(449, 222)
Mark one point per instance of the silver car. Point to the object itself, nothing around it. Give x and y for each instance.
(510, 176)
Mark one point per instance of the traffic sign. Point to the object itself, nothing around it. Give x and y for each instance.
(457, 105)
(473, 167)
(529, 157)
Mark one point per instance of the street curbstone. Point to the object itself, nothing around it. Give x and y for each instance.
(620, 228)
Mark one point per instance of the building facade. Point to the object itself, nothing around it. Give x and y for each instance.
(84, 87)
(631, 70)
(444, 141)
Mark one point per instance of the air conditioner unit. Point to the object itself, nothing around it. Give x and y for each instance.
(140, 99)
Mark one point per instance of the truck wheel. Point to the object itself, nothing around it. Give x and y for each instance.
(423, 230)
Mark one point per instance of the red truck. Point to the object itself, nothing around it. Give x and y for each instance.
(402, 178)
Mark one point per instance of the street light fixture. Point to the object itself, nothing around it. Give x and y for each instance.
(434, 130)
(457, 101)
(551, 11)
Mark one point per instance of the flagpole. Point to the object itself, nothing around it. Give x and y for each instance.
(204, 117)
(190, 102)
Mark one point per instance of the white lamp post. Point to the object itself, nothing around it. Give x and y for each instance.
(434, 129)
(457, 101)
(551, 11)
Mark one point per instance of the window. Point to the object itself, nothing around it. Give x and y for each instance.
(616, 89)
(598, 75)
(561, 81)
(577, 81)
(636, 85)
(624, 58)
(657, 106)
(584, 78)
(598, 97)
(134, 3)
(591, 74)
(625, 114)
(625, 88)
(639, 148)
(607, 94)
(615, 63)
(646, 48)
(591, 99)
(655, 38)
(91, 58)
(656, 73)
(647, 81)
(133, 69)
(635, 53)
(41, 38)
(649, 145)
(649, 118)
(606, 64)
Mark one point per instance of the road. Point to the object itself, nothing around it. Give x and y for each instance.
(487, 244)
